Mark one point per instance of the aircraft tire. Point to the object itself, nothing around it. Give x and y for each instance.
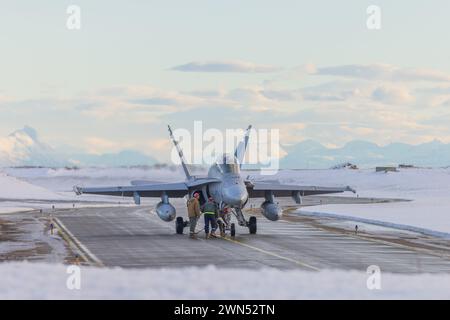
(179, 225)
(252, 226)
(232, 230)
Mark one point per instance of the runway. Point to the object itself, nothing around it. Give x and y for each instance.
(133, 237)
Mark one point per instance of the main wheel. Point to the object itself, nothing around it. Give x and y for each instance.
(252, 225)
(232, 229)
(179, 225)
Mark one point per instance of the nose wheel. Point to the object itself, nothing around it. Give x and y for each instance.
(233, 230)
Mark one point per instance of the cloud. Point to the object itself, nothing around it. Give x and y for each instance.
(280, 95)
(147, 104)
(336, 91)
(383, 72)
(421, 75)
(140, 104)
(96, 145)
(226, 66)
(382, 108)
(358, 131)
(392, 94)
(290, 132)
(374, 71)
(260, 99)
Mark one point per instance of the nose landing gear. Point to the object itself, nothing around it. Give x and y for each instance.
(233, 230)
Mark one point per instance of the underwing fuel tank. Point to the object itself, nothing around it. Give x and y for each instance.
(166, 211)
(271, 211)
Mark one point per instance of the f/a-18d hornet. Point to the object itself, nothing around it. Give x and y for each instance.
(223, 183)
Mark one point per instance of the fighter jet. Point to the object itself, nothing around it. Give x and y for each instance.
(223, 183)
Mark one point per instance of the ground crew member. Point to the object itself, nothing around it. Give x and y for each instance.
(210, 212)
(221, 221)
(194, 213)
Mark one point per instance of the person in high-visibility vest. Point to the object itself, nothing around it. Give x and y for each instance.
(222, 220)
(210, 212)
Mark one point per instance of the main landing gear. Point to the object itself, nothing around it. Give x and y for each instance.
(252, 227)
(180, 224)
(250, 224)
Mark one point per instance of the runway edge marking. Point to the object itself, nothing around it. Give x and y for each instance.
(272, 254)
(370, 238)
(86, 254)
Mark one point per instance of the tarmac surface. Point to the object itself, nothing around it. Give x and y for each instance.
(134, 237)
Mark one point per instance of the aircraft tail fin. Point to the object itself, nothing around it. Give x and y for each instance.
(239, 153)
(180, 154)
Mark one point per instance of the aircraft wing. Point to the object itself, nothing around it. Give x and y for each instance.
(175, 190)
(144, 182)
(148, 189)
(258, 189)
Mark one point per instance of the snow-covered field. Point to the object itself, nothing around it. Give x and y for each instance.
(430, 209)
(13, 188)
(62, 180)
(43, 281)
(429, 190)
(23, 189)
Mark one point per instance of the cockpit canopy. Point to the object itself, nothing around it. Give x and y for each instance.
(228, 164)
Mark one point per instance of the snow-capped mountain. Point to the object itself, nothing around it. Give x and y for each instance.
(24, 148)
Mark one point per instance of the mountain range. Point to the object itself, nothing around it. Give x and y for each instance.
(24, 148)
(311, 154)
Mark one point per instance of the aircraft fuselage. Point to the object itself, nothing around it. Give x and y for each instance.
(231, 191)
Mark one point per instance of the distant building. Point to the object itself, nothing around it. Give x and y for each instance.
(346, 165)
(386, 169)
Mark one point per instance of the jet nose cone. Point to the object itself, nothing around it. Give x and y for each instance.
(235, 196)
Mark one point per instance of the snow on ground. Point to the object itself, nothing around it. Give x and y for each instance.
(17, 195)
(6, 208)
(428, 217)
(63, 180)
(13, 188)
(54, 186)
(428, 188)
(406, 183)
(44, 281)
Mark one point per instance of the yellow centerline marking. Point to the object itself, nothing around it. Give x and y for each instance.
(273, 254)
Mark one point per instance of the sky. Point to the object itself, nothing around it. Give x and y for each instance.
(312, 69)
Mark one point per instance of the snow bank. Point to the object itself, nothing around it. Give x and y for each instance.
(11, 209)
(13, 188)
(357, 218)
(44, 281)
(429, 212)
(406, 183)
(62, 179)
(428, 188)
